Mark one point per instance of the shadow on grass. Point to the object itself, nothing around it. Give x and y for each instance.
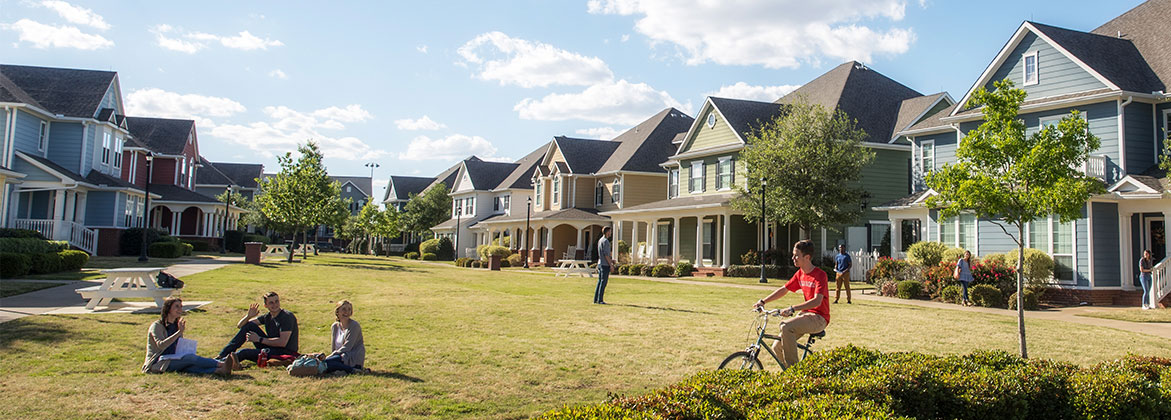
(660, 308)
(369, 267)
(23, 330)
(393, 375)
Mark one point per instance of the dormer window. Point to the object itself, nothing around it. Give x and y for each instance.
(711, 120)
(1030, 68)
(43, 139)
(599, 192)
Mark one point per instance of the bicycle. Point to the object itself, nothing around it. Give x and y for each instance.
(749, 357)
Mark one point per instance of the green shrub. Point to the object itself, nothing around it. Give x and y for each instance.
(429, 246)
(887, 268)
(515, 260)
(818, 407)
(926, 253)
(683, 269)
(45, 263)
(234, 241)
(480, 252)
(935, 279)
(1038, 267)
(635, 269)
(165, 249)
(952, 255)
(663, 270)
(986, 295)
(13, 265)
(995, 274)
(593, 412)
(750, 258)
(622, 269)
(21, 233)
(647, 271)
(31, 245)
(252, 237)
(951, 294)
(497, 251)
(910, 289)
(477, 264)
(201, 246)
(505, 264)
(1001, 259)
(427, 256)
(753, 271)
(131, 241)
(73, 260)
(623, 247)
(187, 248)
(1031, 301)
(411, 255)
(463, 262)
(446, 251)
(1114, 394)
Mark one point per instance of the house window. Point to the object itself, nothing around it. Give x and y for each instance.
(106, 147)
(1062, 250)
(129, 210)
(538, 192)
(696, 177)
(1039, 234)
(506, 201)
(118, 144)
(673, 183)
(664, 239)
(496, 204)
(724, 176)
(349, 188)
(927, 156)
(616, 195)
(967, 231)
(599, 192)
(708, 251)
(947, 232)
(470, 206)
(1030, 68)
(43, 139)
(711, 120)
(556, 189)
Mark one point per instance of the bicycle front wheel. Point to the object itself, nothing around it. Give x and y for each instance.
(742, 360)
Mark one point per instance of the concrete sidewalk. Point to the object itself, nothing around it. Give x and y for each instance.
(64, 298)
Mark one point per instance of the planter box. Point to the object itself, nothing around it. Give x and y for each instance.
(494, 263)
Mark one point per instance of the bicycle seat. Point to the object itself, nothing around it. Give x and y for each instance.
(818, 335)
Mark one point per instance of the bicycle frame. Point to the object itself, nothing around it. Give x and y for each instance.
(754, 349)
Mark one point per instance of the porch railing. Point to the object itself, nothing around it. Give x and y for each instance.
(47, 227)
(83, 238)
(1161, 282)
(75, 233)
(1095, 166)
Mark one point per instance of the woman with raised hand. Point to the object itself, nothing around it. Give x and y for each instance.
(349, 350)
(161, 339)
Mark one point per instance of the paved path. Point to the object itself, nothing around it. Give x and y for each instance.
(57, 299)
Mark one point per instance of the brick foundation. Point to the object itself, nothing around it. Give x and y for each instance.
(708, 272)
(1074, 297)
(548, 259)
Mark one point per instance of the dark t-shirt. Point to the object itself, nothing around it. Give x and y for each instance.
(284, 321)
(171, 330)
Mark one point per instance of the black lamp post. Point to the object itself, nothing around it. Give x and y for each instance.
(372, 165)
(525, 253)
(146, 207)
(224, 223)
(763, 239)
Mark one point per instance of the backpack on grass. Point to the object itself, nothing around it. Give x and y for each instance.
(168, 281)
(306, 365)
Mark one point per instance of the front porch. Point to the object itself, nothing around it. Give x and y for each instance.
(547, 237)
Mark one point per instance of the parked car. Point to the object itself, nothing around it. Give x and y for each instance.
(326, 247)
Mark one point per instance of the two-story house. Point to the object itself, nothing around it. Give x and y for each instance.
(62, 151)
(697, 222)
(213, 178)
(478, 192)
(1115, 76)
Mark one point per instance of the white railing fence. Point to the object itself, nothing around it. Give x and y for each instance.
(1095, 166)
(75, 233)
(862, 262)
(46, 227)
(83, 238)
(1160, 282)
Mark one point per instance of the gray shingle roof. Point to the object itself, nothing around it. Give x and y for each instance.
(521, 177)
(1116, 59)
(58, 168)
(1146, 27)
(447, 177)
(646, 145)
(912, 108)
(100, 179)
(904, 201)
(364, 183)
(864, 94)
(563, 214)
(585, 156)
(404, 186)
(224, 173)
(69, 92)
(179, 194)
(746, 116)
(1038, 101)
(487, 175)
(933, 120)
(161, 135)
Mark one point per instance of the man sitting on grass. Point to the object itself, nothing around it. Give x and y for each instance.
(279, 336)
(814, 285)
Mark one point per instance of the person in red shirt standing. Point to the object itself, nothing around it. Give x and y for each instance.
(814, 284)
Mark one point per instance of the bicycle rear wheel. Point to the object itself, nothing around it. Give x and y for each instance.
(741, 360)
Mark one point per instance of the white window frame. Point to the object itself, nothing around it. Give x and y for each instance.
(1053, 223)
(556, 189)
(43, 140)
(599, 189)
(691, 185)
(128, 212)
(616, 193)
(673, 183)
(538, 193)
(349, 188)
(711, 119)
(731, 174)
(507, 202)
(923, 159)
(106, 139)
(118, 144)
(1025, 69)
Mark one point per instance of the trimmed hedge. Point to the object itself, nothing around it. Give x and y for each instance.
(427, 256)
(951, 294)
(165, 249)
(663, 270)
(202, 246)
(14, 265)
(21, 233)
(910, 289)
(73, 260)
(411, 255)
(1032, 302)
(986, 295)
(632, 269)
(463, 262)
(853, 382)
(514, 260)
(31, 245)
(131, 241)
(684, 269)
(771, 271)
(647, 271)
(477, 264)
(45, 263)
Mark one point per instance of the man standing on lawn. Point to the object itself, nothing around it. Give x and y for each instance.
(604, 264)
(842, 266)
(814, 285)
(279, 336)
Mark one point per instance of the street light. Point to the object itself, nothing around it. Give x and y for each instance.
(224, 222)
(763, 239)
(371, 165)
(524, 256)
(146, 206)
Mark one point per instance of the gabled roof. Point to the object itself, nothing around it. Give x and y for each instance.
(932, 121)
(161, 135)
(867, 96)
(364, 183)
(584, 156)
(521, 177)
(745, 116)
(915, 109)
(68, 92)
(103, 180)
(646, 145)
(1151, 181)
(447, 177)
(404, 186)
(1116, 59)
(1146, 27)
(917, 197)
(486, 176)
(175, 193)
(59, 171)
(224, 173)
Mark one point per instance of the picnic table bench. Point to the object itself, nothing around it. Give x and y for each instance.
(126, 283)
(567, 267)
(276, 250)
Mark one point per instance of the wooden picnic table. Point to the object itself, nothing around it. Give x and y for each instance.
(276, 250)
(126, 283)
(579, 267)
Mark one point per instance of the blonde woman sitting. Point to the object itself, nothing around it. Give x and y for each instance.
(349, 350)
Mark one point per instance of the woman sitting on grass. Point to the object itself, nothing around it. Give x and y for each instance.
(349, 350)
(161, 339)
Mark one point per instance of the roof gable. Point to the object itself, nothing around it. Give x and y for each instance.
(916, 110)
(401, 187)
(521, 176)
(482, 175)
(867, 96)
(582, 156)
(161, 135)
(643, 147)
(363, 183)
(724, 121)
(68, 92)
(1145, 27)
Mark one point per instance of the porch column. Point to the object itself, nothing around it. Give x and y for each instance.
(1124, 251)
(675, 239)
(176, 218)
(727, 242)
(896, 237)
(70, 206)
(617, 230)
(580, 235)
(548, 237)
(80, 217)
(1166, 244)
(652, 241)
(59, 206)
(699, 241)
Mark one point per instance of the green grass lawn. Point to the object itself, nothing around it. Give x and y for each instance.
(1133, 315)
(15, 287)
(452, 342)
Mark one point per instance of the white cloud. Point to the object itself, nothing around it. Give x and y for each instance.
(620, 102)
(772, 33)
(425, 123)
(604, 133)
(742, 90)
(287, 128)
(625, 37)
(76, 14)
(42, 36)
(453, 147)
(422, 49)
(154, 102)
(514, 61)
(278, 74)
(192, 42)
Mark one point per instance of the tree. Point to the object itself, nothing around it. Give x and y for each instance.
(428, 209)
(1013, 178)
(301, 195)
(812, 159)
(1165, 160)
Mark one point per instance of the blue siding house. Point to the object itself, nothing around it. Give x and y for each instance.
(1116, 76)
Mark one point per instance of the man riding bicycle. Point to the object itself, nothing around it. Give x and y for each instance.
(813, 283)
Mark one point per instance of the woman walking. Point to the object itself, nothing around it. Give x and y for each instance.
(963, 274)
(1145, 264)
(349, 350)
(161, 339)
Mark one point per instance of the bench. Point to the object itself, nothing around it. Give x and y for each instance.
(276, 250)
(126, 283)
(578, 267)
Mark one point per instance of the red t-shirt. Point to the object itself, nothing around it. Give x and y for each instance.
(812, 284)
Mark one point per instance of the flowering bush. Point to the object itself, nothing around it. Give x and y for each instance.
(935, 279)
(886, 268)
(995, 274)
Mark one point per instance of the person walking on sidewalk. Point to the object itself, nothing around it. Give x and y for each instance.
(1145, 265)
(842, 266)
(963, 274)
(604, 263)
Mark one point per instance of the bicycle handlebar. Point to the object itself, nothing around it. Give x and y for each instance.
(773, 312)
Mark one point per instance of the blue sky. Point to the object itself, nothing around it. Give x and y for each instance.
(417, 86)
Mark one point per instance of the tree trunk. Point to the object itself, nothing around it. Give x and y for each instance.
(304, 249)
(1020, 288)
(316, 239)
(294, 245)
